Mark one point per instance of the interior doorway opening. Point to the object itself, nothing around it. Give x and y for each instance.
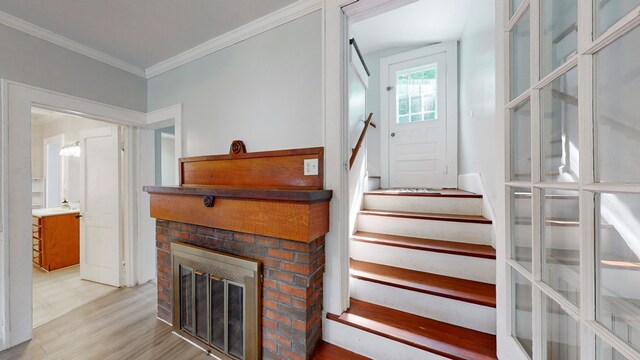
(76, 167)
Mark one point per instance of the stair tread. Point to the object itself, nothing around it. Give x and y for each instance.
(428, 216)
(448, 193)
(427, 334)
(442, 246)
(439, 285)
(327, 351)
(572, 258)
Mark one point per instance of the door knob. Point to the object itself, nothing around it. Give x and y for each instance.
(393, 134)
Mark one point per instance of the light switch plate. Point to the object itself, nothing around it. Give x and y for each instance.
(311, 166)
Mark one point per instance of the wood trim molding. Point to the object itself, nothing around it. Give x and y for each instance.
(256, 27)
(46, 35)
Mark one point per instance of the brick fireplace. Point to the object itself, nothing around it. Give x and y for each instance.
(261, 207)
(291, 289)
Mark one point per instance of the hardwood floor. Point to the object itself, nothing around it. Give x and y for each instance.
(121, 325)
(60, 291)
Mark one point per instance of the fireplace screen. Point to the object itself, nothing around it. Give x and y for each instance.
(216, 301)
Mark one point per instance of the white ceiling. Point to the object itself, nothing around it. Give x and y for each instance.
(140, 32)
(420, 23)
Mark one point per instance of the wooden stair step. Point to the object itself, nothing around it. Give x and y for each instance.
(437, 337)
(444, 286)
(447, 193)
(428, 216)
(440, 246)
(327, 351)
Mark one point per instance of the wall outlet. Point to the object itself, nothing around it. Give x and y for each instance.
(311, 166)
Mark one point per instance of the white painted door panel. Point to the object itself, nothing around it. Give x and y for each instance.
(100, 226)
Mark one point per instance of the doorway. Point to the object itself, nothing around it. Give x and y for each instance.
(76, 235)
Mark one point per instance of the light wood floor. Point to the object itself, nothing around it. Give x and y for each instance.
(60, 291)
(120, 325)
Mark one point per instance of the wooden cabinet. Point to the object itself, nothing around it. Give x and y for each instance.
(56, 241)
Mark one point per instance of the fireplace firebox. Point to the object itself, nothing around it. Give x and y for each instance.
(216, 301)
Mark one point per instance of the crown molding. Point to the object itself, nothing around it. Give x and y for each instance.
(265, 23)
(34, 30)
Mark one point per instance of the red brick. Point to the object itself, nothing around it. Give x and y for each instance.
(270, 242)
(280, 254)
(268, 344)
(246, 238)
(279, 275)
(290, 355)
(299, 304)
(270, 304)
(299, 325)
(279, 338)
(270, 284)
(277, 317)
(295, 268)
(295, 245)
(278, 296)
(293, 291)
(269, 324)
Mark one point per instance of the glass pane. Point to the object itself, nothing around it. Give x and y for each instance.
(561, 238)
(515, 4)
(186, 299)
(559, 33)
(618, 265)
(562, 333)
(201, 306)
(217, 313)
(605, 351)
(560, 156)
(522, 321)
(417, 94)
(608, 12)
(617, 108)
(521, 226)
(521, 142)
(236, 320)
(520, 58)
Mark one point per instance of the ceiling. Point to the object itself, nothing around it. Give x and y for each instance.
(138, 32)
(419, 23)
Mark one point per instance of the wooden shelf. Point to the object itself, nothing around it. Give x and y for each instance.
(440, 246)
(440, 338)
(439, 285)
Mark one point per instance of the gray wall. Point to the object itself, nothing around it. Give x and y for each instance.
(478, 138)
(27, 59)
(266, 91)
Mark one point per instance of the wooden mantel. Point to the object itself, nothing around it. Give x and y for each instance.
(263, 193)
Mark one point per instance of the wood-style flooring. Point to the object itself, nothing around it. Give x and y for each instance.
(121, 325)
(60, 291)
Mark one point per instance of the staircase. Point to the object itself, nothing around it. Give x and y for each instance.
(422, 279)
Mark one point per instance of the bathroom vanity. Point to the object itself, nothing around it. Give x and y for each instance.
(56, 238)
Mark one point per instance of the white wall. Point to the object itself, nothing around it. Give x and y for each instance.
(36, 62)
(478, 138)
(266, 91)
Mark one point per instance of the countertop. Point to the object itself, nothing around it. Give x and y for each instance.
(53, 211)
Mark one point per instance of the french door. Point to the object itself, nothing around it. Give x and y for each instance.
(572, 179)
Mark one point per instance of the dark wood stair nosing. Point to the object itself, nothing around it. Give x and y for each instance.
(409, 342)
(473, 219)
(423, 244)
(432, 287)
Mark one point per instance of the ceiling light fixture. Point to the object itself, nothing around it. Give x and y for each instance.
(71, 150)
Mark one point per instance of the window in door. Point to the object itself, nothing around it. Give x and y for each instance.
(416, 95)
(572, 180)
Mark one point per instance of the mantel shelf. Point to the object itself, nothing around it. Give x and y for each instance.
(255, 193)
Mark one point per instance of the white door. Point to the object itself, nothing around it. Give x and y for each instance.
(100, 225)
(53, 171)
(420, 136)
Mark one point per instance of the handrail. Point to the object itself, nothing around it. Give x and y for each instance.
(360, 140)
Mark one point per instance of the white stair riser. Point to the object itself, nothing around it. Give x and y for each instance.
(468, 315)
(463, 267)
(563, 208)
(373, 183)
(472, 233)
(428, 204)
(371, 345)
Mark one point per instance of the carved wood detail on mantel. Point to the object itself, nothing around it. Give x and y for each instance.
(264, 193)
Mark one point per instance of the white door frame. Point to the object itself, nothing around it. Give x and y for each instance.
(15, 212)
(451, 50)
